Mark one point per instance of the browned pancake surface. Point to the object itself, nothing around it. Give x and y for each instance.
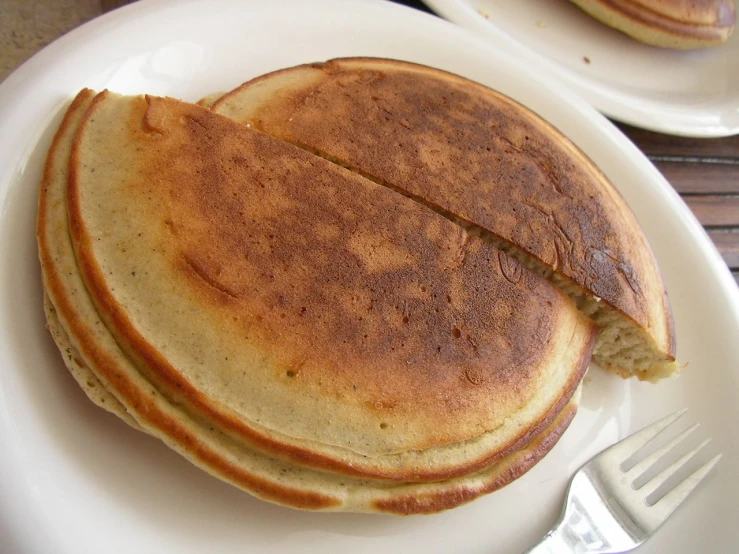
(475, 155)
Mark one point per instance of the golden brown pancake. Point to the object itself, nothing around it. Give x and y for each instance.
(306, 309)
(199, 441)
(679, 24)
(489, 165)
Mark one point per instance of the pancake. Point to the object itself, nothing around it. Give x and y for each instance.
(268, 478)
(306, 309)
(489, 165)
(679, 24)
(85, 378)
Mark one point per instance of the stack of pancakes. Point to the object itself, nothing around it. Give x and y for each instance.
(363, 285)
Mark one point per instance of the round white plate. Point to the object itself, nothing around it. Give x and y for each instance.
(73, 479)
(692, 93)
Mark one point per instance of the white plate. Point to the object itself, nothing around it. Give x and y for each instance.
(74, 479)
(683, 93)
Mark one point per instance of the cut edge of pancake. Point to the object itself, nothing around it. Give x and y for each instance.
(618, 341)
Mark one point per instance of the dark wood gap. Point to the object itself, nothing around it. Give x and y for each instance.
(688, 195)
(658, 144)
(703, 161)
(715, 211)
(711, 194)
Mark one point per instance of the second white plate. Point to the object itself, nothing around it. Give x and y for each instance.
(694, 93)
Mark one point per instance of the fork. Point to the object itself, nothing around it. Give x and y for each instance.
(604, 512)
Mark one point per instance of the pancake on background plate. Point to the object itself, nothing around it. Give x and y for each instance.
(291, 327)
(679, 24)
(489, 165)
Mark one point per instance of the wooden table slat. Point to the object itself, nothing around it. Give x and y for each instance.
(715, 211)
(701, 178)
(658, 144)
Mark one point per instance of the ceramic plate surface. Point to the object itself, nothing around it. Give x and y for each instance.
(692, 93)
(74, 479)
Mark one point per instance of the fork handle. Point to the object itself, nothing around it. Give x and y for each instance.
(556, 542)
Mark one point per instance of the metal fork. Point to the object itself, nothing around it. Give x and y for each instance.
(604, 512)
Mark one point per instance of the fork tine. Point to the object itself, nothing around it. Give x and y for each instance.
(669, 502)
(650, 486)
(650, 460)
(621, 451)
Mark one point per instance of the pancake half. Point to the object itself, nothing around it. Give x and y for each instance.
(197, 439)
(304, 308)
(489, 165)
(679, 24)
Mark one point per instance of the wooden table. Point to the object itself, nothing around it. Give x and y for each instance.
(705, 172)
